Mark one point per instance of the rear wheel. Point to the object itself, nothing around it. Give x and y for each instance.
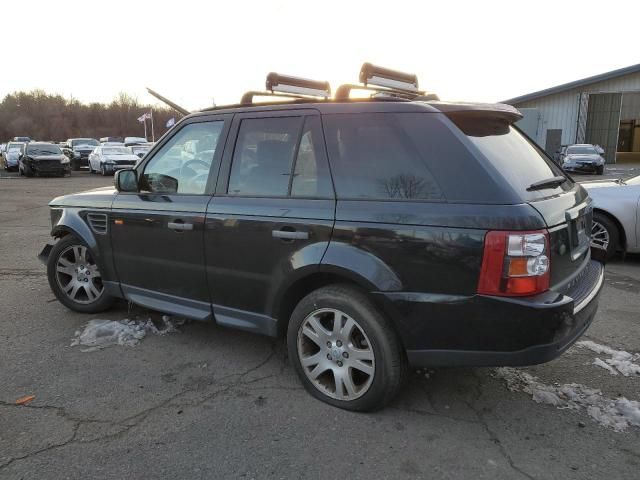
(75, 277)
(605, 234)
(344, 351)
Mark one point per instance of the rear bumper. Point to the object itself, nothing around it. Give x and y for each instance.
(494, 331)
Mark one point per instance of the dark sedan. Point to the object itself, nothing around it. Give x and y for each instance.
(583, 159)
(43, 159)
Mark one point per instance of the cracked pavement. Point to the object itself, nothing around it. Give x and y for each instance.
(211, 402)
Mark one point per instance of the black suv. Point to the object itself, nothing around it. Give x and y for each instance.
(372, 233)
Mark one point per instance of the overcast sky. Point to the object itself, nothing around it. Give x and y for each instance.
(195, 51)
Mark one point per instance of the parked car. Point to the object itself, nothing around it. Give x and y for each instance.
(616, 217)
(11, 155)
(78, 150)
(373, 234)
(109, 159)
(42, 158)
(582, 158)
(129, 141)
(119, 140)
(141, 150)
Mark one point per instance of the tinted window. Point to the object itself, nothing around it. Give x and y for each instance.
(518, 160)
(373, 156)
(84, 141)
(263, 156)
(184, 163)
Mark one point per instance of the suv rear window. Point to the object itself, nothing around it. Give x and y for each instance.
(374, 156)
(516, 158)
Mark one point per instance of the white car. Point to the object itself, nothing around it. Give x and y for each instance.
(616, 214)
(107, 159)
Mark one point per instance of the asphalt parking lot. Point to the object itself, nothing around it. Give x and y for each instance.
(209, 402)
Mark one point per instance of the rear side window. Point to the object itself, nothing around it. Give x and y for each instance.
(373, 156)
(278, 157)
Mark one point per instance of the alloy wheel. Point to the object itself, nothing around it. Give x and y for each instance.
(78, 276)
(336, 354)
(599, 235)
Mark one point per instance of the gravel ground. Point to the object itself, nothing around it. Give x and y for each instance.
(209, 402)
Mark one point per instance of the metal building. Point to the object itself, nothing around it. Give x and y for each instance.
(603, 110)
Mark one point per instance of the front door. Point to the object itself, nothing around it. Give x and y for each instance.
(271, 218)
(157, 233)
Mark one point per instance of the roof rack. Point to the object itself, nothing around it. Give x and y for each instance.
(386, 83)
(289, 87)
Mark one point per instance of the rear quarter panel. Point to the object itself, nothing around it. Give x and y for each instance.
(622, 203)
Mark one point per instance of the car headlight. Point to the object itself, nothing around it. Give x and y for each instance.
(64, 159)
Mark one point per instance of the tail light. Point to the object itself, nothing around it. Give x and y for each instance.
(515, 263)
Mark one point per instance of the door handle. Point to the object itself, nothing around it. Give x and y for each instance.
(290, 235)
(180, 226)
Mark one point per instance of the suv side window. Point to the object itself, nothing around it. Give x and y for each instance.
(278, 157)
(184, 163)
(374, 157)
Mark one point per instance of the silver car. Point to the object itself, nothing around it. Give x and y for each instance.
(616, 218)
(582, 158)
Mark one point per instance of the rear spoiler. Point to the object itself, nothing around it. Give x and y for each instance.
(498, 111)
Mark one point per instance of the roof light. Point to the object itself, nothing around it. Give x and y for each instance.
(297, 85)
(384, 77)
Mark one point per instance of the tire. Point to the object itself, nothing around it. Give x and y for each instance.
(28, 171)
(605, 233)
(372, 337)
(103, 171)
(600, 170)
(69, 253)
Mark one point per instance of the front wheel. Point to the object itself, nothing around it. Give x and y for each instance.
(344, 351)
(600, 170)
(75, 277)
(605, 234)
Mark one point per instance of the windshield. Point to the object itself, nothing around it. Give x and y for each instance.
(581, 151)
(15, 146)
(520, 161)
(116, 151)
(633, 180)
(44, 150)
(84, 141)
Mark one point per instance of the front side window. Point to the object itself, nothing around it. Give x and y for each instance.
(373, 156)
(184, 163)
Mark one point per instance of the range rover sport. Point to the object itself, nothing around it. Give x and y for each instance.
(372, 234)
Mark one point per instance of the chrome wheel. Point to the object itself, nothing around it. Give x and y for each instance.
(599, 235)
(78, 276)
(335, 354)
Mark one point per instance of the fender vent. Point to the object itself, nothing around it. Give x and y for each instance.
(98, 222)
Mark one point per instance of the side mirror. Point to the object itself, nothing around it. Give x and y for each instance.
(126, 180)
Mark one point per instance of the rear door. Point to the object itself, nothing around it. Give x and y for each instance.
(272, 216)
(157, 233)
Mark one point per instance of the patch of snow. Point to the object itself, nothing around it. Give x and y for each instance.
(622, 361)
(617, 414)
(99, 334)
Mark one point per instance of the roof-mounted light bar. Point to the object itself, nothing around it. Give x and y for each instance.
(385, 77)
(297, 86)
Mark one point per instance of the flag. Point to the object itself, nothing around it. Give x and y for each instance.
(143, 117)
(171, 122)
